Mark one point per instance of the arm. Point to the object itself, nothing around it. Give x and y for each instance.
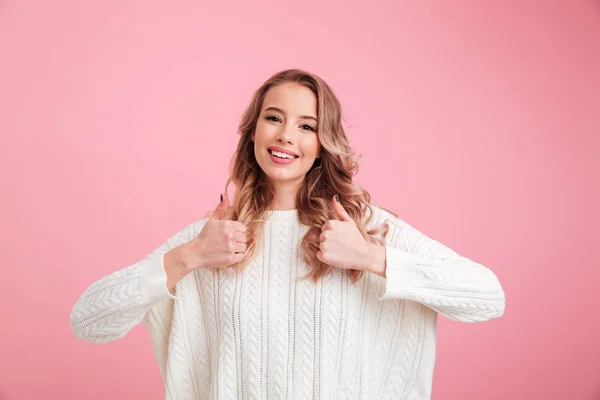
(110, 307)
(421, 269)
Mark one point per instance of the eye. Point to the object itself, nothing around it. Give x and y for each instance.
(308, 127)
(273, 118)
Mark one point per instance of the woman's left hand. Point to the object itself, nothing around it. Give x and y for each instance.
(342, 245)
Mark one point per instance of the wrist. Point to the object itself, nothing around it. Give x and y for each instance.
(182, 257)
(376, 259)
(176, 266)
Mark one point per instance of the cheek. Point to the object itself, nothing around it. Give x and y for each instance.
(257, 135)
(311, 147)
(263, 133)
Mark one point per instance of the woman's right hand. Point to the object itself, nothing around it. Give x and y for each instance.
(219, 244)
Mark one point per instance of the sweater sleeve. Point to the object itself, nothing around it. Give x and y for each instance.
(421, 269)
(110, 307)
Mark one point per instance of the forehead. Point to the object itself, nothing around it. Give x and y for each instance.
(292, 98)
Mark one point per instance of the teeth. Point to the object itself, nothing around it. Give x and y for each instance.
(281, 155)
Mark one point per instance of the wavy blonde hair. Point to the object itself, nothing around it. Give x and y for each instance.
(331, 174)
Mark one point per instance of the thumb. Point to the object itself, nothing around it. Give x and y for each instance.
(340, 211)
(221, 209)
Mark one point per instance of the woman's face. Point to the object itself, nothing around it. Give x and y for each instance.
(286, 143)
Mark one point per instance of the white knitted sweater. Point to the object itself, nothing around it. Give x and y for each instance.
(266, 335)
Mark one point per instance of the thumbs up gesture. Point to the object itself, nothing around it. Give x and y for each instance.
(341, 243)
(220, 243)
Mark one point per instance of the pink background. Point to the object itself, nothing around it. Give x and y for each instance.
(478, 123)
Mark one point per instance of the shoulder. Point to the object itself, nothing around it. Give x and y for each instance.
(384, 215)
(380, 214)
(406, 236)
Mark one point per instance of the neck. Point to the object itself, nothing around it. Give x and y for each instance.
(285, 195)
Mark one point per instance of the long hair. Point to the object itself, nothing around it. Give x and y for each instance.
(330, 174)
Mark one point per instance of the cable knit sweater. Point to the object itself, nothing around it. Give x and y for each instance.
(265, 334)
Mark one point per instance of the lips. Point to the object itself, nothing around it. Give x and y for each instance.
(282, 150)
(282, 161)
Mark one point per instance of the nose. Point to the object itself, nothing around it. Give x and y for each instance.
(286, 134)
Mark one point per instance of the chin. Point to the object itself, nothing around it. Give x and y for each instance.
(281, 176)
(278, 176)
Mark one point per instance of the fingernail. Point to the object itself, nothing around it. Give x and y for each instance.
(337, 198)
(221, 198)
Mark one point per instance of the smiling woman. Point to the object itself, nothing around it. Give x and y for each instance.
(295, 112)
(363, 325)
(287, 138)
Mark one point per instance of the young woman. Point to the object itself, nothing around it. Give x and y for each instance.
(300, 288)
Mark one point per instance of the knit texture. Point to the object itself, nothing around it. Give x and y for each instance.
(266, 334)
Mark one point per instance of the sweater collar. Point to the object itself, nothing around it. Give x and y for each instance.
(282, 215)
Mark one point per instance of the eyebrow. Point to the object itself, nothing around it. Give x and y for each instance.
(282, 112)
